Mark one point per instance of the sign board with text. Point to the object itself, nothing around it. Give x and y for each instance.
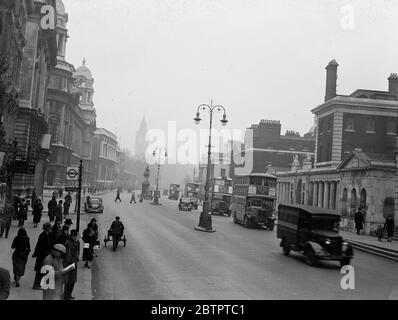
(72, 173)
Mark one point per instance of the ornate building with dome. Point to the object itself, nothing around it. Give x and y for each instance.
(71, 115)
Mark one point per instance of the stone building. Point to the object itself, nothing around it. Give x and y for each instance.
(106, 156)
(264, 146)
(354, 156)
(13, 19)
(35, 52)
(71, 115)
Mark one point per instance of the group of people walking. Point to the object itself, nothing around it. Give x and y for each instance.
(389, 226)
(57, 246)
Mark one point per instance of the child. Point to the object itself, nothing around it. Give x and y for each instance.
(379, 232)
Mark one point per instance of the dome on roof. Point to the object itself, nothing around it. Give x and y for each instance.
(83, 71)
(60, 7)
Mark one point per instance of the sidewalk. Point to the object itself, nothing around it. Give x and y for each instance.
(82, 290)
(370, 244)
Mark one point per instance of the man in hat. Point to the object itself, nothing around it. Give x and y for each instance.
(52, 205)
(54, 260)
(68, 223)
(67, 203)
(42, 250)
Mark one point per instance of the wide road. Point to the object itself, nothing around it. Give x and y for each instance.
(165, 258)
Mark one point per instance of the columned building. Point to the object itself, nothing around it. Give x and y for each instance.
(13, 19)
(355, 165)
(39, 55)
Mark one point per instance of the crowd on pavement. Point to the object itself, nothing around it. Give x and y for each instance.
(57, 248)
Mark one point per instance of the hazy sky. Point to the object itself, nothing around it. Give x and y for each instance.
(260, 59)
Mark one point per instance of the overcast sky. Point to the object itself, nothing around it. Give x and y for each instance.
(260, 59)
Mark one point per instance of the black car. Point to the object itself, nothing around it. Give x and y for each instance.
(94, 205)
(313, 231)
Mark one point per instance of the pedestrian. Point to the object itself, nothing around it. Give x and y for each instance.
(5, 283)
(34, 198)
(380, 232)
(54, 260)
(89, 243)
(118, 196)
(68, 222)
(6, 220)
(17, 204)
(63, 236)
(55, 231)
(58, 211)
(133, 198)
(21, 246)
(359, 220)
(72, 256)
(94, 226)
(22, 213)
(389, 226)
(42, 250)
(52, 205)
(37, 212)
(67, 204)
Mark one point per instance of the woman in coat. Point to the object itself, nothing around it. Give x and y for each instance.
(389, 226)
(37, 212)
(89, 243)
(23, 213)
(21, 246)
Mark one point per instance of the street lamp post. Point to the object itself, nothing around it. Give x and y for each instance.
(159, 151)
(205, 221)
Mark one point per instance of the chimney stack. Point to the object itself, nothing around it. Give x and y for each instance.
(331, 80)
(393, 83)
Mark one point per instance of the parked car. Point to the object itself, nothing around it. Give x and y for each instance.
(313, 231)
(94, 205)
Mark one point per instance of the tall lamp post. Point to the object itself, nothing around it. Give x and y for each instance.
(205, 222)
(159, 151)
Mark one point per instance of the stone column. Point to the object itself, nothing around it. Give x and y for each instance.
(310, 193)
(315, 194)
(332, 199)
(326, 195)
(320, 194)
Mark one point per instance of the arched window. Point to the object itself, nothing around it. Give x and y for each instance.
(344, 203)
(353, 204)
(363, 199)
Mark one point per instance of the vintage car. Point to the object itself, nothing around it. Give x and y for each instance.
(185, 204)
(94, 205)
(313, 231)
(195, 203)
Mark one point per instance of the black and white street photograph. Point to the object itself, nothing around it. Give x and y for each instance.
(199, 155)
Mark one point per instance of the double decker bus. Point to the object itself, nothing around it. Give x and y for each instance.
(174, 191)
(191, 191)
(254, 200)
(221, 195)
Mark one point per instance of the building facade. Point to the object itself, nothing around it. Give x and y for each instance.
(106, 156)
(355, 165)
(71, 115)
(264, 146)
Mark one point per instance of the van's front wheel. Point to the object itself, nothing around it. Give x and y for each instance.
(310, 258)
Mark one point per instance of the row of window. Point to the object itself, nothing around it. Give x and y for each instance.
(351, 124)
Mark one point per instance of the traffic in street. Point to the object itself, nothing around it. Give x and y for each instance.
(165, 258)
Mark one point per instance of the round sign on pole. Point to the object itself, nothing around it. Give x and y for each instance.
(72, 174)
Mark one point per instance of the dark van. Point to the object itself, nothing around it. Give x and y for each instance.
(313, 231)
